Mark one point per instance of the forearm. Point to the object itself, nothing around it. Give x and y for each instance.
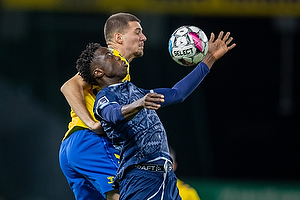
(209, 60)
(130, 110)
(182, 89)
(115, 113)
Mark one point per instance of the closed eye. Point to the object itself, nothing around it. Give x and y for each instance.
(138, 30)
(109, 55)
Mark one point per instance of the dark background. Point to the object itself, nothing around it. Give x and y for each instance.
(240, 123)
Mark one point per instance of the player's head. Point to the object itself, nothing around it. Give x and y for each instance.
(98, 65)
(123, 31)
(84, 61)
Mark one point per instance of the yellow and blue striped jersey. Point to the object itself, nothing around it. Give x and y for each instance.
(89, 97)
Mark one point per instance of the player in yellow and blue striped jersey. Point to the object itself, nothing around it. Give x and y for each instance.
(87, 158)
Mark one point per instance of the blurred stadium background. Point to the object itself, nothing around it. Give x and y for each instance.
(236, 137)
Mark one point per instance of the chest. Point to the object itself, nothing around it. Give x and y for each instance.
(129, 94)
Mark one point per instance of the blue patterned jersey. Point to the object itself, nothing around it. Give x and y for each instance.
(140, 139)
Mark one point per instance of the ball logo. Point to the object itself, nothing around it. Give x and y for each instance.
(184, 52)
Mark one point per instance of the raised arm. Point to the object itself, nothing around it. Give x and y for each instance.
(73, 91)
(165, 96)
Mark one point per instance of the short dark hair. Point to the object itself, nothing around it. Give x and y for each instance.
(84, 61)
(117, 23)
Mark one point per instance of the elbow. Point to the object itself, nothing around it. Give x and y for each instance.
(179, 98)
(173, 101)
(63, 88)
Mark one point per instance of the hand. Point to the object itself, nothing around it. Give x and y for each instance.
(152, 100)
(220, 46)
(97, 128)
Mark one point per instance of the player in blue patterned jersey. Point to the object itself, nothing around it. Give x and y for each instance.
(128, 116)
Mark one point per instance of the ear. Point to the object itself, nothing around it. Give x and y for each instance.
(98, 73)
(118, 38)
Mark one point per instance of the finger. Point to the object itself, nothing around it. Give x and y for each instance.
(152, 106)
(151, 101)
(212, 37)
(226, 36)
(157, 100)
(220, 35)
(231, 46)
(229, 40)
(158, 96)
(153, 95)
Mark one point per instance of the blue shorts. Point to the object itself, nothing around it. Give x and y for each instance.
(89, 162)
(144, 184)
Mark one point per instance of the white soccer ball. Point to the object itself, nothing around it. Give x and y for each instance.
(188, 45)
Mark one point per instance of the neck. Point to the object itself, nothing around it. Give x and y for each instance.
(109, 82)
(122, 51)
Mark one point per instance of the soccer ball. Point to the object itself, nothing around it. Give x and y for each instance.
(188, 45)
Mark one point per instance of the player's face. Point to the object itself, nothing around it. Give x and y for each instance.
(112, 65)
(133, 40)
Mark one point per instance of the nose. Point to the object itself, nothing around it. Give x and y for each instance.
(144, 38)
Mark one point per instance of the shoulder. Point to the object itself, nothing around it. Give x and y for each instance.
(104, 98)
(105, 93)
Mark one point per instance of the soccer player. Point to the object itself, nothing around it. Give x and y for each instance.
(87, 158)
(128, 116)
